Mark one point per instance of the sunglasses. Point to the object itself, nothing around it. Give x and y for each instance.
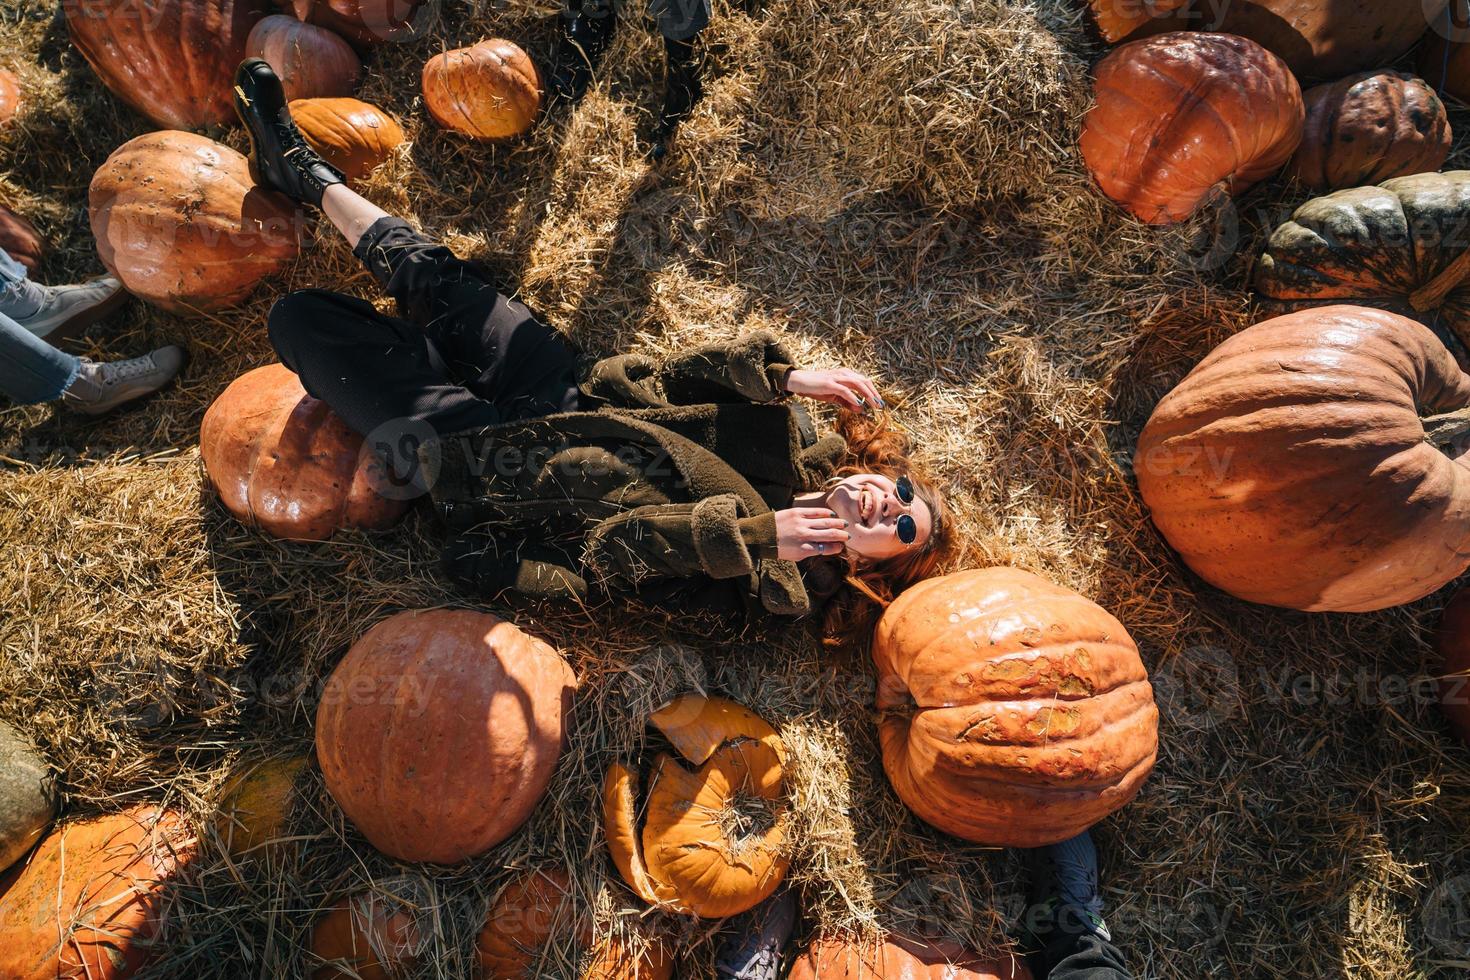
(907, 529)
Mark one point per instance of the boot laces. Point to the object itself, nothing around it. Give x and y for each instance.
(115, 372)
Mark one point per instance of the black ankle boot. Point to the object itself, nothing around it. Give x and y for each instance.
(584, 40)
(280, 158)
(683, 88)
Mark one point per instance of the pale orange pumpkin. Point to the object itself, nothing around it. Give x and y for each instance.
(1182, 117)
(490, 91)
(1012, 711)
(1295, 465)
(256, 802)
(286, 463)
(108, 878)
(689, 858)
(312, 62)
(902, 958)
(353, 136)
(9, 96)
(178, 219)
(370, 936)
(366, 23)
(439, 731)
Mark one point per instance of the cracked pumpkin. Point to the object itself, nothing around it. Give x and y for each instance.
(1012, 711)
(693, 855)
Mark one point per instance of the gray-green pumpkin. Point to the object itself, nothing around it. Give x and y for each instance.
(27, 802)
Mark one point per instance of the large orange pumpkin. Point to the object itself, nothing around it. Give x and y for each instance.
(171, 60)
(27, 796)
(311, 61)
(108, 878)
(256, 803)
(901, 958)
(9, 95)
(1318, 39)
(699, 852)
(1012, 711)
(1369, 127)
(178, 219)
(1452, 643)
(1294, 465)
(363, 22)
(534, 911)
(1444, 57)
(285, 462)
(354, 136)
(439, 731)
(20, 239)
(490, 91)
(1181, 117)
(369, 936)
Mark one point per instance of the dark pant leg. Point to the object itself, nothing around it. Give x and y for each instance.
(373, 370)
(496, 345)
(680, 20)
(1082, 956)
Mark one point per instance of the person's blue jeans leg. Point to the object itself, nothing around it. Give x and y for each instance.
(17, 296)
(31, 370)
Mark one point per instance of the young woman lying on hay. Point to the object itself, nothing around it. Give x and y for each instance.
(689, 482)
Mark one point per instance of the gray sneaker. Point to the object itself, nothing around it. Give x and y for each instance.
(99, 388)
(63, 311)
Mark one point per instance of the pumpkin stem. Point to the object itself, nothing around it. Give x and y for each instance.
(1442, 431)
(1430, 296)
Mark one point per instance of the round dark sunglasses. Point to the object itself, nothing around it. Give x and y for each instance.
(907, 529)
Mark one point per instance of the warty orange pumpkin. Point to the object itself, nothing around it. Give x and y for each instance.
(286, 463)
(171, 60)
(20, 239)
(1318, 40)
(109, 878)
(1295, 465)
(370, 936)
(9, 95)
(1182, 117)
(712, 842)
(312, 62)
(178, 219)
(902, 958)
(1452, 643)
(256, 803)
(1369, 127)
(366, 23)
(533, 912)
(1012, 711)
(354, 136)
(490, 91)
(439, 731)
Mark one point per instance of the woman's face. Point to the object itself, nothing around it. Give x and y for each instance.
(869, 504)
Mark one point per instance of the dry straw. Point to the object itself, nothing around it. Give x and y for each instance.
(892, 185)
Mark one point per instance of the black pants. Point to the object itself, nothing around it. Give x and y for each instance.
(462, 356)
(1079, 955)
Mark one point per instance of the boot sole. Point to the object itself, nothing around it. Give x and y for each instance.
(69, 329)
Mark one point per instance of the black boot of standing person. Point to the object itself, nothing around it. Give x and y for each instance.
(1067, 937)
(586, 34)
(683, 88)
(280, 158)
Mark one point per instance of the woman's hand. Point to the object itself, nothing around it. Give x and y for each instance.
(802, 532)
(849, 389)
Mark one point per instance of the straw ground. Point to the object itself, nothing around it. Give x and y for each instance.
(891, 185)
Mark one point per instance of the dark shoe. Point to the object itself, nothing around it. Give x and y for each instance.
(751, 946)
(683, 88)
(1063, 891)
(280, 158)
(584, 40)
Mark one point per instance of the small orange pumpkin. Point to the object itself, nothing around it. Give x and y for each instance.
(108, 878)
(1012, 711)
(9, 95)
(256, 802)
(179, 220)
(535, 910)
(439, 731)
(490, 91)
(285, 462)
(366, 23)
(1116, 19)
(690, 857)
(1369, 127)
(20, 239)
(312, 62)
(1452, 643)
(901, 958)
(370, 936)
(354, 136)
(1181, 117)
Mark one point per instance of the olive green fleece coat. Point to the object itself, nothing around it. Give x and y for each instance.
(668, 488)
